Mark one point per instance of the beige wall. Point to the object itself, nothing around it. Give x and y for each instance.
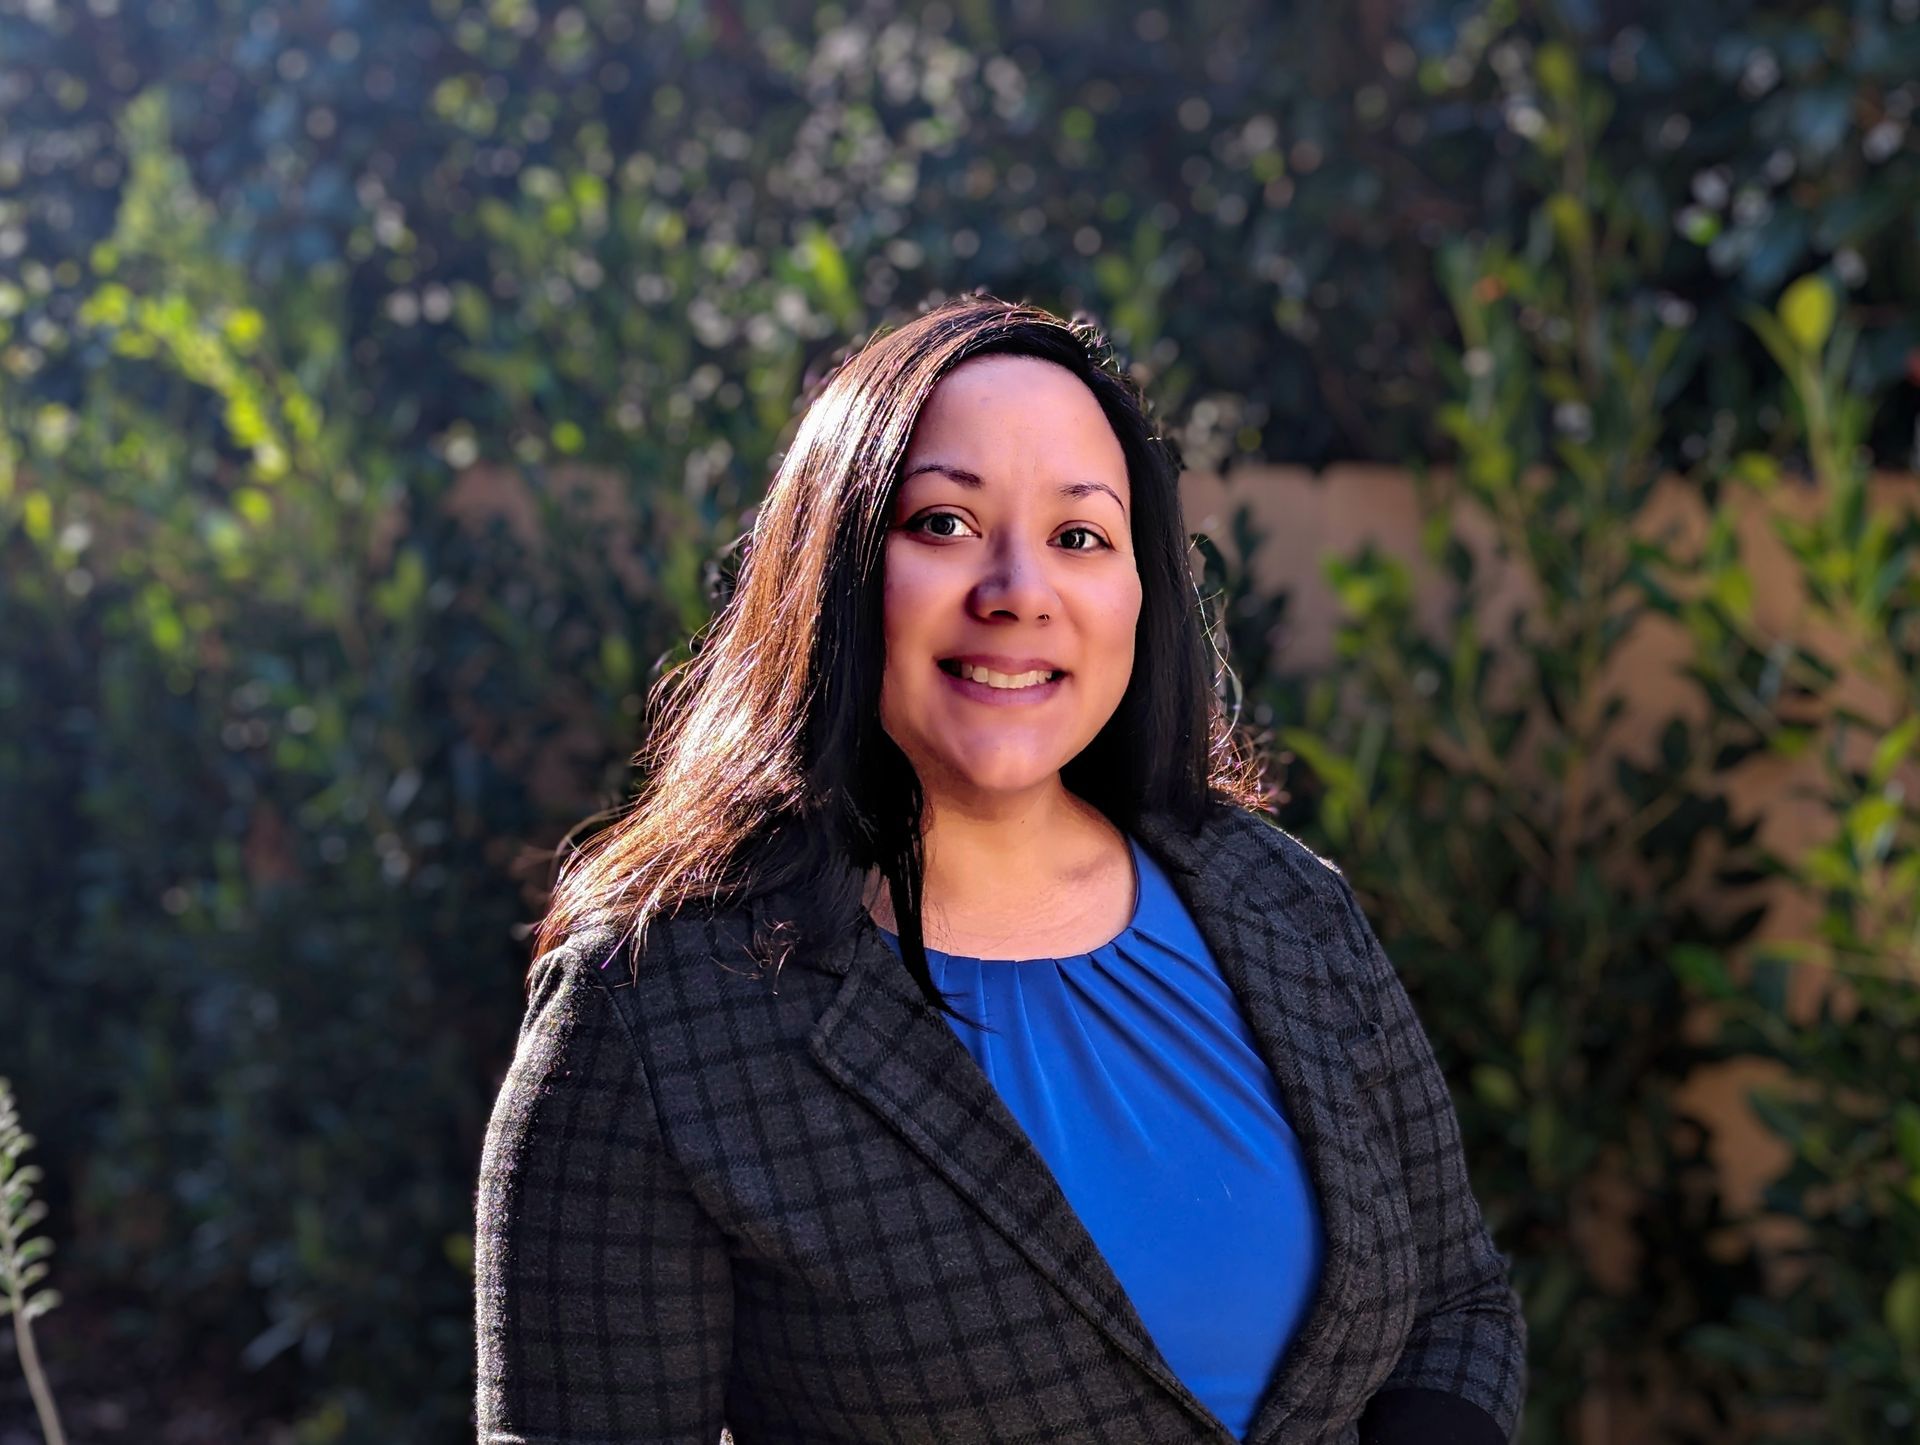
(1306, 516)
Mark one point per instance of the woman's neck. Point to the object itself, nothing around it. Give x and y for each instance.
(988, 870)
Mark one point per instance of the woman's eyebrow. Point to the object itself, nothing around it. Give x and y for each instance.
(969, 479)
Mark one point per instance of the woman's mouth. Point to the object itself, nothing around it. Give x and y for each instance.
(1003, 689)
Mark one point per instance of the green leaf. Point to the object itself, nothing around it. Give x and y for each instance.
(1702, 968)
(1892, 751)
(1732, 588)
(399, 596)
(1789, 741)
(1332, 769)
(1757, 470)
(1466, 667)
(1870, 825)
(244, 328)
(1570, 222)
(1699, 227)
(1543, 1140)
(1902, 1309)
(1497, 1087)
(458, 1249)
(818, 255)
(1807, 311)
(40, 1304)
(1906, 1134)
(1558, 71)
(616, 662)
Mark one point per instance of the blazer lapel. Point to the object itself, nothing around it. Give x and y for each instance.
(1282, 955)
(880, 1041)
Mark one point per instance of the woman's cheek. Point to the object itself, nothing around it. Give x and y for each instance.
(1121, 617)
(907, 612)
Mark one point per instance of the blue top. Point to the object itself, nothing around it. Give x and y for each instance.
(1136, 1077)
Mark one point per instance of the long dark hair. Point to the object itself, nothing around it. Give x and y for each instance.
(766, 771)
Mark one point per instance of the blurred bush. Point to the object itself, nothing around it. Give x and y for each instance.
(285, 287)
(1564, 898)
(276, 719)
(1838, 1333)
(618, 219)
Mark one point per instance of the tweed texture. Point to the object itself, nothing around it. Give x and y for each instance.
(792, 1205)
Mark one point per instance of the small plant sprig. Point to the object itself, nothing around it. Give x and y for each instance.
(22, 1260)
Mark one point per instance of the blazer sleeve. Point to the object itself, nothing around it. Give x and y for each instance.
(603, 1298)
(1462, 1377)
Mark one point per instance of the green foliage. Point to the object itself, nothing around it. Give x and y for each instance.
(1530, 866)
(23, 1260)
(605, 219)
(1841, 1331)
(279, 717)
(1539, 870)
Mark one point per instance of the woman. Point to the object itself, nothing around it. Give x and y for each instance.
(1183, 1167)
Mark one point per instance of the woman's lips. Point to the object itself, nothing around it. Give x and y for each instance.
(1002, 696)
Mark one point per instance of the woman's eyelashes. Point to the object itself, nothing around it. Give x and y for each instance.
(1099, 542)
(915, 525)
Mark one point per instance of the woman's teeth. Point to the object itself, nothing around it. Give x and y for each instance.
(999, 679)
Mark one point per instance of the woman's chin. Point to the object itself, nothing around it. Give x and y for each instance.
(1002, 777)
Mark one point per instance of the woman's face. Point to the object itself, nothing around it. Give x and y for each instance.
(1009, 548)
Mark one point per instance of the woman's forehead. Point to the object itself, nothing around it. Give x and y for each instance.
(996, 415)
(1005, 380)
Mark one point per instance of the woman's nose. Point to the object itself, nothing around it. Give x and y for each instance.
(1016, 581)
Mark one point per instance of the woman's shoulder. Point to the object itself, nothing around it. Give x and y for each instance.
(696, 999)
(620, 949)
(1232, 833)
(702, 957)
(1266, 829)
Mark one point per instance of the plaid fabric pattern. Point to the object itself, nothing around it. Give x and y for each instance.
(793, 1205)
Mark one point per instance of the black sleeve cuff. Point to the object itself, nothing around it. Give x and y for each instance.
(1427, 1417)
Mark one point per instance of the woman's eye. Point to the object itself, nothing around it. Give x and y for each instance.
(925, 523)
(920, 522)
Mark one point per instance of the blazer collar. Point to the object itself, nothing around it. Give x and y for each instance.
(1281, 955)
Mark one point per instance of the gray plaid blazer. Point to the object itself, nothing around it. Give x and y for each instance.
(793, 1205)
